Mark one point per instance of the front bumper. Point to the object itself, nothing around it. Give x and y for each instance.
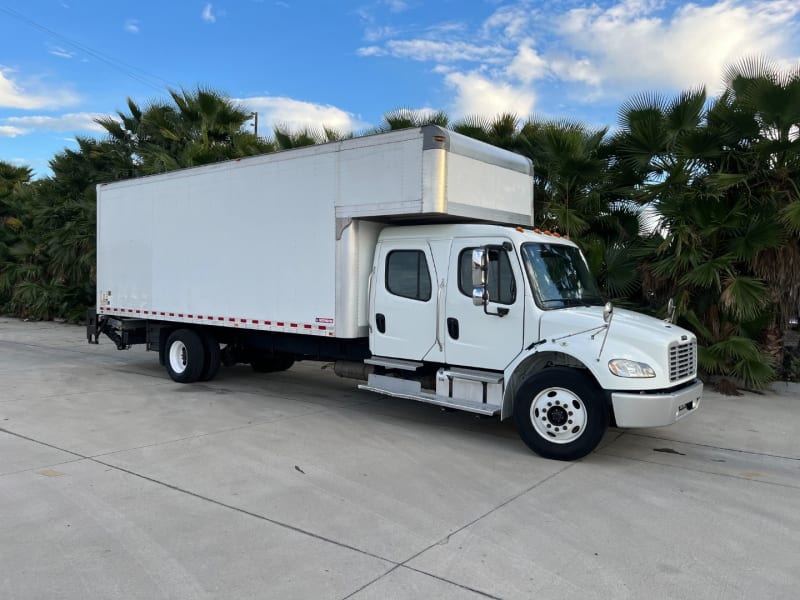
(655, 410)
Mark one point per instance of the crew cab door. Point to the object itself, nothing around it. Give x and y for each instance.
(484, 337)
(404, 302)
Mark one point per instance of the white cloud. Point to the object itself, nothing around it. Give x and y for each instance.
(396, 5)
(132, 26)
(373, 34)
(527, 64)
(61, 52)
(10, 131)
(510, 21)
(72, 122)
(632, 44)
(14, 95)
(598, 50)
(296, 114)
(82, 121)
(208, 14)
(371, 51)
(479, 95)
(441, 52)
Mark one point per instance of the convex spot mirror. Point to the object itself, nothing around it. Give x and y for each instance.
(480, 264)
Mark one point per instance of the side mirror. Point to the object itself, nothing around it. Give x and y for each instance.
(480, 263)
(480, 297)
(671, 311)
(608, 312)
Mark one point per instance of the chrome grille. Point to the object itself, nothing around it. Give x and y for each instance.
(682, 360)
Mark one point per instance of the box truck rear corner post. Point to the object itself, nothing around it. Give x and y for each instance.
(409, 260)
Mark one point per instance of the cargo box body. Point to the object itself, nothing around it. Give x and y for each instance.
(285, 241)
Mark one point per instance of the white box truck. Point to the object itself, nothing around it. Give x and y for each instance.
(407, 258)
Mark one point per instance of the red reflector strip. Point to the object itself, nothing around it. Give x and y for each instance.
(189, 316)
(180, 315)
(306, 326)
(147, 312)
(220, 318)
(255, 321)
(243, 320)
(279, 323)
(322, 328)
(162, 314)
(171, 314)
(210, 318)
(292, 324)
(267, 322)
(230, 319)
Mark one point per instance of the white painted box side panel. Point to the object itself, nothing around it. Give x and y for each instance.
(124, 262)
(381, 180)
(242, 244)
(479, 190)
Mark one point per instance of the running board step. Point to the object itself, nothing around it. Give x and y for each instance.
(393, 363)
(411, 390)
(472, 375)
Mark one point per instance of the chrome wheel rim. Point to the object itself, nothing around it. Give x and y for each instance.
(558, 415)
(178, 357)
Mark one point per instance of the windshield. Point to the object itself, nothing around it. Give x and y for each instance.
(559, 276)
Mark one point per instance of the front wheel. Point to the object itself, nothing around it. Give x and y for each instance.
(561, 414)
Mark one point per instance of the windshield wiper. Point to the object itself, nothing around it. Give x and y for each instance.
(569, 302)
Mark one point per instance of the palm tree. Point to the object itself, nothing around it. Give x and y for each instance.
(762, 106)
(286, 138)
(199, 127)
(691, 164)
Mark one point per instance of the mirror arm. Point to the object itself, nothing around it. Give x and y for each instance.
(501, 312)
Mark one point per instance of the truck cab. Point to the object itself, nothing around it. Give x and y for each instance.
(505, 320)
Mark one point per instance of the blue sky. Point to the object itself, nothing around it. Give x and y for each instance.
(345, 63)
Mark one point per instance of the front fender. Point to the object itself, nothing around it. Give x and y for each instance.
(542, 357)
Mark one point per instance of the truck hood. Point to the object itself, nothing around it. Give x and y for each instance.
(632, 336)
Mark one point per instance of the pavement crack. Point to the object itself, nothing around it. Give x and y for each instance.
(446, 540)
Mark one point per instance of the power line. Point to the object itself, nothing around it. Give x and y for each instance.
(131, 71)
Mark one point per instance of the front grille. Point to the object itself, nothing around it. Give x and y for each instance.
(682, 360)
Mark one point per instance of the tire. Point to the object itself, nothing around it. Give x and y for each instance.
(185, 356)
(271, 363)
(561, 414)
(213, 357)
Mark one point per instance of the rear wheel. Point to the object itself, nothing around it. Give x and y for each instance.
(561, 414)
(185, 356)
(213, 356)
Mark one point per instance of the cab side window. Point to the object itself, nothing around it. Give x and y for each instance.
(500, 281)
(407, 275)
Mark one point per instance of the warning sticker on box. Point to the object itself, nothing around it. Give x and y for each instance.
(324, 320)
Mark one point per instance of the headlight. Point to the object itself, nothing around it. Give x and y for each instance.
(622, 367)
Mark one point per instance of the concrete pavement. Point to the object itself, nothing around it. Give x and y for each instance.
(116, 482)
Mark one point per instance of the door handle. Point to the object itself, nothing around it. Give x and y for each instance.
(380, 322)
(452, 327)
